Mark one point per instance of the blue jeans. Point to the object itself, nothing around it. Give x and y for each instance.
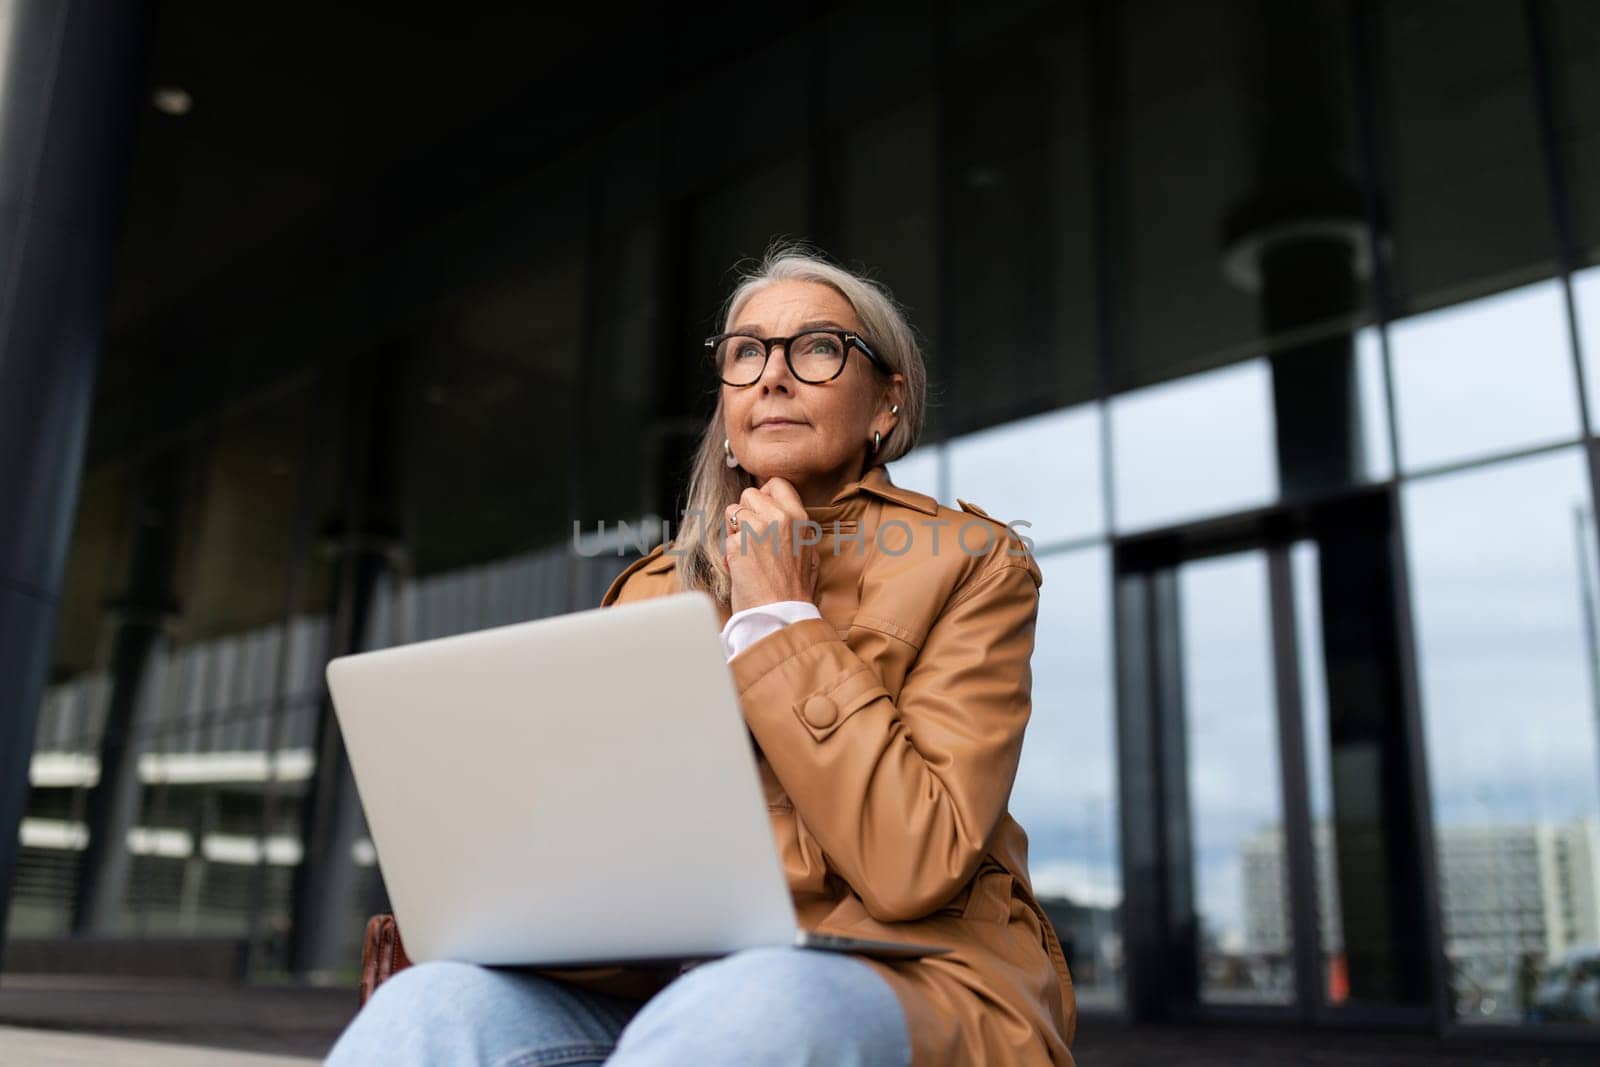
(758, 1006)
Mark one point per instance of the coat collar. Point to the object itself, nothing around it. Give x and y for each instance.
(875, 482)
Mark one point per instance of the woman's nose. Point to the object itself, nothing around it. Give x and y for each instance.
(776, 372)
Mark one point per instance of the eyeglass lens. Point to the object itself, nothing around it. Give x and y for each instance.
(813, 357)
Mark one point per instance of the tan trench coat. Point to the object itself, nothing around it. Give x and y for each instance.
(889, 732)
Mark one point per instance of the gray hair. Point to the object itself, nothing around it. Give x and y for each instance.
(712, 484)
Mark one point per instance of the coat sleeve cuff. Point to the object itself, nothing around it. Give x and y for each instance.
(745, 628)
(803, 677)
(761, 658)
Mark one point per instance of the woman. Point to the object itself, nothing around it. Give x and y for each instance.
(880, 645)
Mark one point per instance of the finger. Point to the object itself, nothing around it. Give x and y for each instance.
(759, 507)
(783, 493)
(741, 522)
(757, 510)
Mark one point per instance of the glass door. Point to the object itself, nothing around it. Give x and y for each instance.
(1237, 863)
(1275, 853)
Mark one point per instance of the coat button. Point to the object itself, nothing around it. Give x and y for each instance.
(820, 712)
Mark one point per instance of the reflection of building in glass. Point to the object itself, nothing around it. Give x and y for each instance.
(1266, 895)
(1518, 888)
(1507, 890)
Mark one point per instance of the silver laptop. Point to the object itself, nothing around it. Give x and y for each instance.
(541, 794)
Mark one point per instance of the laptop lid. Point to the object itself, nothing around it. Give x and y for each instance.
(542, 794)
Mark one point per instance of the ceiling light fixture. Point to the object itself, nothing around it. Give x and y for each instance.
(171, 100)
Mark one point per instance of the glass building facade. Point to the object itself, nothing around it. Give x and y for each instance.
(1278, 323)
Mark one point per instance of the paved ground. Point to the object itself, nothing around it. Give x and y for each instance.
(277, 1021)
(51, 1048)
(1112, 1045)
(56, 1022)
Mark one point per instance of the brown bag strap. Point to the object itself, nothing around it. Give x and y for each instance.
(382, 954)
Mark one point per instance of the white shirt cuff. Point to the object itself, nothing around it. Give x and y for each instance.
(745, 628)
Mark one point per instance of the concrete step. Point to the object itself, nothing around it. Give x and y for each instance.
(51, 1048)
(279, 1020)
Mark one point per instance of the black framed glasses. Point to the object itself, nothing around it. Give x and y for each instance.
(814, 357)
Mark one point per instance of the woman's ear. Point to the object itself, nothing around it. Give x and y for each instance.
(893, 401)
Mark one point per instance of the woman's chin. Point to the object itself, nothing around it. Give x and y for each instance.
(788, 467)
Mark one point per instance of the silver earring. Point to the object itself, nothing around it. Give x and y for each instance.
(895, 410)
(727, 454)
(877, 441)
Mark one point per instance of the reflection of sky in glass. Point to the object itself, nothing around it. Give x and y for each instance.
(1586, 295)
(1045, 470)
(1487, 376)
(1200, 445)
(1508, 711)
(1231, 722)
(1065, 793)
(1377, 462)
(917, 470)
(1303, 567)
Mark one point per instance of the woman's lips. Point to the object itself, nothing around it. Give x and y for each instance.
(777, 424)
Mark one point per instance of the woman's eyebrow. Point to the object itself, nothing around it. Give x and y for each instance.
(758, 331)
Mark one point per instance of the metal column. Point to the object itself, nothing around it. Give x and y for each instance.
(66, 71)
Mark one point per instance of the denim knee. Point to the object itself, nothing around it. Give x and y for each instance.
(446, 1013)
(426, 1003)
(431, 993)
(771, 1005)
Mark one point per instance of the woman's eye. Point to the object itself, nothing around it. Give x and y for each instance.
(823, 346)
(749, 352)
